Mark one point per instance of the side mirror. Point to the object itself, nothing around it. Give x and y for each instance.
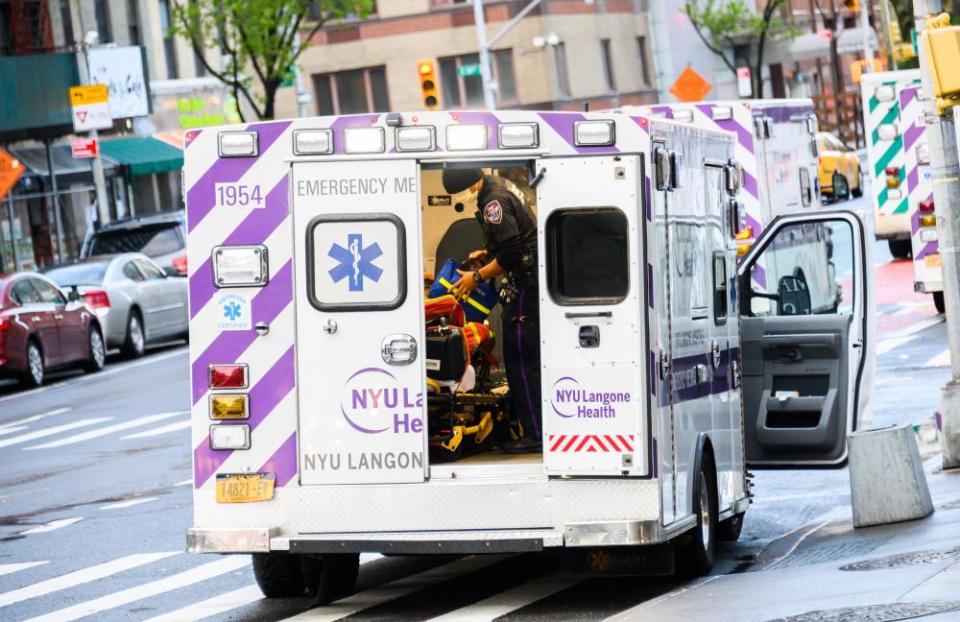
(73, 295)
(793, 296)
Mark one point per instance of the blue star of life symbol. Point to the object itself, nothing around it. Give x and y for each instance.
(231, 311)
(355, 262)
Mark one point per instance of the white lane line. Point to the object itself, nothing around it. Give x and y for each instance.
(57, 429)
(11, 568)
(396, 589)
(940, 360)
(32, 418)
(85, 575)
(12, 429)
(128, 503)
(886, 345)
(53, 525)
(509, 600)
(170, 427)
(147, 590)
(86, 436)
(212, 606)
(186, 482)
(113, 369)
(916, 327)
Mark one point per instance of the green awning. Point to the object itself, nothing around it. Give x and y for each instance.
(143, 155)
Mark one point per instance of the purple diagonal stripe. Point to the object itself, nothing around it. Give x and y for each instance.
(563, 124)
(912, 135)
(907, 95)
(666, 111)
(744, 136)
(200, 197)
(353, 120)
(754, 225)
(783, 114)
(913, 178)
(759, 275)
(254, 229)
(283, 462)
(643, 122)
(750, 184)
(229, 345)
(264, 397)
(930, 248)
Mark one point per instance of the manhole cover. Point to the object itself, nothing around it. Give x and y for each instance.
(832, 551)
(874, 613)
(905, 559)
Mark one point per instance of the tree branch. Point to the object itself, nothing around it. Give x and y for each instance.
(697, 27)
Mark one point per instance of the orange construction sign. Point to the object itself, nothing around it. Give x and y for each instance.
(10, 171)
(690, 86)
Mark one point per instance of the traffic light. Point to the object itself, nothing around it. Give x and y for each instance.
(429, 87)
(852, 5)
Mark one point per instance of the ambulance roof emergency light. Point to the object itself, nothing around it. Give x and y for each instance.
(363, 140)
(885, 93)
(519, 135)
(722, 113)
(466, 137)
(240, 266)
(416, 138)
(237, 144)
(594, 133)
(313, 142)
(887, 131)
(683, 114)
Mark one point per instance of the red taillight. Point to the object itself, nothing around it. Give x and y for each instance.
(228, 376)
(926, 206)
(180, 264)
(4, 322)
(97, 299)
(892, 171)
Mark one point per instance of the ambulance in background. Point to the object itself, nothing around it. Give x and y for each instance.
(665, 368)
(899, 160)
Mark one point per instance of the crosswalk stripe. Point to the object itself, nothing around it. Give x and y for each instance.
(128, 503)
(53, 525)
(85, 575)
(57, 429)
(170, 427)
(396, 589)
(940, 360)
(147, 590)
(11, 568)
(509, 600)
(12, 429)
(91, 434)
(886, 345)
(32, 418)
(186, 482)
(212, 606)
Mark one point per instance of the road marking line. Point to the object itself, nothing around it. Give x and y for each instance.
(31, 436)
(32, 418)
(171, 427)
(85, 575)
(11, 568)
(916, 327)
(10, 430)
(509, 600)
(113, 369)
(206, 571)
(86, 436)
(940, 360)
(886, 345)
(53, 525)
(128, 503)
(395, 589)
(186, 482)
(212, 606)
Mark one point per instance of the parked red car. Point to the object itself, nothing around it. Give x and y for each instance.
(41, 328)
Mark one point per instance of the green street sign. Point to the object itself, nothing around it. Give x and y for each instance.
(468, 70)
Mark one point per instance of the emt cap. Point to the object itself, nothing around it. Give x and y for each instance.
(456, 180)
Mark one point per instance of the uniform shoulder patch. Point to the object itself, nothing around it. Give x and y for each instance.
(493, 213)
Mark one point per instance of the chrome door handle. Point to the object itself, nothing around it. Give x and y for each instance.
(35, 318)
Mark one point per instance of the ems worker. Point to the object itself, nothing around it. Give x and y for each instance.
(510, 236)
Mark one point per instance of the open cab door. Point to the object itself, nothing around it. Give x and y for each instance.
(804, 331)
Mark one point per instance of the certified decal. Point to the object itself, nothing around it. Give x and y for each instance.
(570, 400)
(493, 213)
(373, 402)
(234, 312)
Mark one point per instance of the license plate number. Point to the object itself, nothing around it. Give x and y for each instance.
(932, 261)
(245, 488)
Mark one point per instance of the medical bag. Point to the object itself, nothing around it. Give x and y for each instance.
(446, 353)
(477, 307)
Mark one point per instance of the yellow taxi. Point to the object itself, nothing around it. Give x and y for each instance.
(839, 168)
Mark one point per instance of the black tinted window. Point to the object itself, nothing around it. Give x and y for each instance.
(151, 241)
(79, 274)
(587, 257)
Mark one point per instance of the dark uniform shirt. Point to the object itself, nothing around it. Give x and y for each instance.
(509, 229)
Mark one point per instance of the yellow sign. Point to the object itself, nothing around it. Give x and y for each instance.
(10, 171)
(92, 94)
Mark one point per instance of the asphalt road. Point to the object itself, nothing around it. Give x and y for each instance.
(95, 499)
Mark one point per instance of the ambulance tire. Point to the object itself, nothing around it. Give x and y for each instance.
(278, 574)
(729, 530)
(695, 558)
(900, 249)
(330, 577)
(938, 302)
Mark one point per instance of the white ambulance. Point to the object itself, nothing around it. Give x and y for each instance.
(899, 159)
(664, 371)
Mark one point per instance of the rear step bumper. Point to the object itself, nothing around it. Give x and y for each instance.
(430, 542)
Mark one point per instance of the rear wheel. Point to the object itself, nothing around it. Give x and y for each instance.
(696, 558)
(901, 249)
(278, 574)
(97, 352)
(34, 374)
(135, 343)
(729, 530)
(330, 577)
(938, 302)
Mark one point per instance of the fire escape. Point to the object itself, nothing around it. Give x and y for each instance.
(25, 27)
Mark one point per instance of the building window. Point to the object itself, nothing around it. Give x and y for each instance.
(466, 91)
(102, 12)
(607, 64)
(560, 60)
(644, 60)
(169, 51)
(352, 91)
(133, 22)
(67, 22)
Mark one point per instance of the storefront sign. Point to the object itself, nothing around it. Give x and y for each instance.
(120, 69)
(84, 148)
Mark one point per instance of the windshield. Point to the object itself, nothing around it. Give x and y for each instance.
(79, 274)
(151, 241)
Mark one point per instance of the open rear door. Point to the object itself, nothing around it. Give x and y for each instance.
(804, 332)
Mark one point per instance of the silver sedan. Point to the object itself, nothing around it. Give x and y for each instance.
(136, 301)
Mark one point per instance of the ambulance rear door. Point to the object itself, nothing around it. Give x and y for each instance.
(592, 315)
(360, 363)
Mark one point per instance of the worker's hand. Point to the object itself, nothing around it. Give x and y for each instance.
(462, 289)
(480, 255)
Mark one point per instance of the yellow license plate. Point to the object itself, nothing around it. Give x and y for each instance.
(244, 488)
(932, 261)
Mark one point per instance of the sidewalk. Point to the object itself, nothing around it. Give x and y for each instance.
(832, 572)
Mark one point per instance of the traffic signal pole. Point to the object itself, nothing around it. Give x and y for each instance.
(942, 139)
(483, 45)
